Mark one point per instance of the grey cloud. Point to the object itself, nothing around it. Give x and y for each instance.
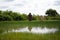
(25, 1)
(3, 7)
(19, 4)
(7, 0)
(57, 3)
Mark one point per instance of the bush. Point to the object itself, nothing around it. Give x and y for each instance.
(5, 18)
(53, 18)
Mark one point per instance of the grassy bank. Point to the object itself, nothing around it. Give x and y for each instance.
(13, 24)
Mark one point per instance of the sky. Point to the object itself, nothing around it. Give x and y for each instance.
(37, 7)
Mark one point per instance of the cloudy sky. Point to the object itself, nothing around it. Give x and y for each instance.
(34, 6)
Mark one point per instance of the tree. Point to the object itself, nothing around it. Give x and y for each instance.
(30, 17)
(24, 16)
(51, 12)
(15, 16)
(5, 18)
(34, 17)
(0, 12)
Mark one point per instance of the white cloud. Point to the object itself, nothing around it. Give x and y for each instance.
(25, 6)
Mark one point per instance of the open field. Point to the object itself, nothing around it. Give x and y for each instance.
(8, 25)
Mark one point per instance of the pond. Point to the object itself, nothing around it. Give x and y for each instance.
(37, 30)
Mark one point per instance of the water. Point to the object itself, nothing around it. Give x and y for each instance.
(35, 30)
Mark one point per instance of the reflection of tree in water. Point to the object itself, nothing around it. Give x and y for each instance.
(29, 27)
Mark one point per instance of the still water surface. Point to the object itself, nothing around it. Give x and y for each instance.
(35, 30)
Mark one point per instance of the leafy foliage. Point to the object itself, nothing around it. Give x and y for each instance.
(15, 16)
(51, 12)
(30, 17)
(9, 16)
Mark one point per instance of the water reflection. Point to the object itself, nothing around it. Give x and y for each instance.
(43, 30)
(35, 30)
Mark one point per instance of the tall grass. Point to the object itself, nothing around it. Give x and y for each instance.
(30, 36)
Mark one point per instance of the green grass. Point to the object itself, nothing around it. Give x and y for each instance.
(30, 36)
(8, 25)
(17, 24)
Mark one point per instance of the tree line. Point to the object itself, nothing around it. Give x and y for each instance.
(15, 16)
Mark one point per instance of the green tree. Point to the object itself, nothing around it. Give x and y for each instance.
(0, 12)
(15, 16)
(51, 12)
(5, 18)
(24, 17)
(29, 17)
(33, 17)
